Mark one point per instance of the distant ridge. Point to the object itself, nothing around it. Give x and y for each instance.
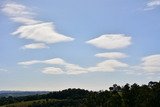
(5, 93)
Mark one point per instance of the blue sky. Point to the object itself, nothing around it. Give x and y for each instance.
(55, 44)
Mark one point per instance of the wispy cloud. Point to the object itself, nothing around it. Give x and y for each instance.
(35, 46)
(14, 9)
(43, 32)
(33, 29)
(25, 20)
(111, 55)
(151, 63)
(54, 61)
(52, 70)
(152, 4)
(3, 70)
(19, 13)
(69, 68)
(111, 41)
(29, 62)
(149, 66)
(108, 66)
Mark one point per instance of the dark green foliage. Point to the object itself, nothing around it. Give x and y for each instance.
(125, 96)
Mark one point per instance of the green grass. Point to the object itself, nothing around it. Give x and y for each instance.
(27, 103)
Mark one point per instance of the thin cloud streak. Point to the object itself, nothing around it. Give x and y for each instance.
(111, 55)
(35, 46)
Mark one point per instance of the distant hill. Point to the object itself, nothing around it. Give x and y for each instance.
(21, 93)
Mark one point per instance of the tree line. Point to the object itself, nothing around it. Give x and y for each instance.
(117, 96)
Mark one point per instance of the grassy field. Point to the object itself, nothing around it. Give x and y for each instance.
(27, 103)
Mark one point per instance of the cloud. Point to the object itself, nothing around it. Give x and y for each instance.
(36, 30)
(15, 10)
(151, 63)
(29, 62)
(19, 13)
(152, 4)
(35, 46)
(4, 70)
(54, 61)
(111, 55)
(69, 68)
(52, 70)
(108, 66)
(43, 32)
(75, 69)
(26, 21)
(111, 41)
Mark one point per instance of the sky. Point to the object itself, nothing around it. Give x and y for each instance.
(90, 44)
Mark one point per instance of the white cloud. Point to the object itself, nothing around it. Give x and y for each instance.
(75, 69)
(4, 70)
(14, 10)
(54, 61)
(152, 4)
(68, 68)
(112, 63)
(151, 63)
(29, 62)
(43, 32)
(111, 41)
(19, 13)
(31, 28)
(105, 66)
(111, 55)
(26, 21)
(35, 46)
(52, 70)
(108, 66)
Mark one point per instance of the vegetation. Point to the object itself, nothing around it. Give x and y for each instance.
(117, 96)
